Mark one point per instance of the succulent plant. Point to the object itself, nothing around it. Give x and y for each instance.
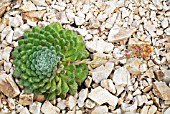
(44, 61)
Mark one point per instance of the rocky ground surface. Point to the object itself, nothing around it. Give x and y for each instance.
(128, 86)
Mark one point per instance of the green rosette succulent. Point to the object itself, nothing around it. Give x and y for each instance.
(44, 61)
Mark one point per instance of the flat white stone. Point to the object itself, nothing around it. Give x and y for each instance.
(28, 6)
(100, 110)
(101, 96)
(167, 31)
(7, 85)
(48, 108)
(150, 27)
(89, 104)
(61, 104)
(129, 107)
(164, 23)
(79, 20)
(9, 36)
(166, 77)
(145, 110)
(6, 53)
(167, 111)
(16, 21)
(121, 76)
(125, 12)
(111, 6)
(152, 109)
(143, 67)
(133, 65)
(17, 33)
(102, 72)
(39, 2)
(71, 102)
(108, 84)
(118, 33)
(82, 97)
(11, 103)
(24, 111)
(99, 45)
(35, 107)
(5, 31)
(24, 27)
(102, 17)
(7, 66)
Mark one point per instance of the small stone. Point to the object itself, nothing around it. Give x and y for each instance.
(119, 89)
(9, 36)
(11, 89)
(16, 21)
(39, 2)
(167, 31)
(133, 65)
(125, 12)
(129, 107)
(79, 20)
(89, 104)
(5, 32)
(2, 9)
(26, 99)
(99, 45)
(28, 6)
(143, 67)
(111, 6)
(149, 73)
(48, 108)
(33, 15)
(70, 102)
(152, 109)
(166, 77)
(145, 110)
(100, 110)
(101, 17)
(168, 57)
(11, 103)
(34, 108)
(102, 72)
(82, 96)
(161, 90)
(24, 111)
(156, 101)
(61, 104)
(137, 92)
(88, 81)
(121, 76)
(141, 99)
(167, 111)
(101, 96)
(7, 66)
(164, 23)
(150, 27)
(159, 74)
(94, 23)
(17, 34)
(31, 23)
(61, 17)
(6, 53)
(118, 34)
(24, 27)
(108, 84)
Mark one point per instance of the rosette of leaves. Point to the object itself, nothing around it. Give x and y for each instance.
(44, 61)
